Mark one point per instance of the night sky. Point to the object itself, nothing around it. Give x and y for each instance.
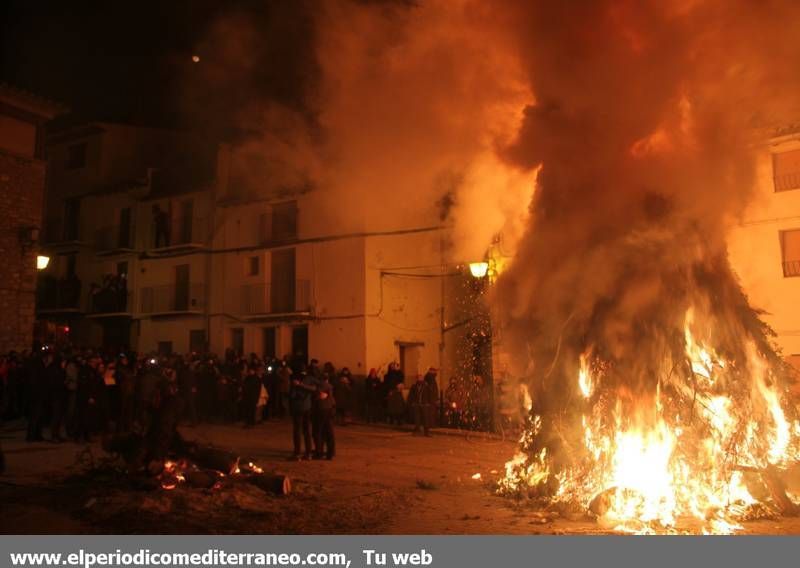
(132, 61)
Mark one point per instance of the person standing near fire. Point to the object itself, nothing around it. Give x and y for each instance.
(325, 441)
(251, 389)
(301, 393)
(372, 396)
(420, 398)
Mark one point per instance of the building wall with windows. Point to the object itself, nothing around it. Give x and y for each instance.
(264, 274)
(765, 247)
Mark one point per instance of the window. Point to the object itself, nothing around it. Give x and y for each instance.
(253, 266)
(269, 347)
(76, 156)
(790, 252)
(786, 170)
(282, 286)
(284, 221)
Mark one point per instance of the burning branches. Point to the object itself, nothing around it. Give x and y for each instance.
(660, 426)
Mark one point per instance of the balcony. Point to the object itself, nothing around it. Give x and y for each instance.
(109, 302)
(173, 300)
(109, 240)
(182, 234)
(58, 295)
(259, 300)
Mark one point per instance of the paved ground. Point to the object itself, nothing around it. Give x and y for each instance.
(382, 481)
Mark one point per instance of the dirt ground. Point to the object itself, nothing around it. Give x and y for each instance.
(383, 481)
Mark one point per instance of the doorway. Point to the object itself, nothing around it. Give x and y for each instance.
(410, 354)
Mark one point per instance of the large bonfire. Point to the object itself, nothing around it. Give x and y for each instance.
(686, 424)
(659, 401)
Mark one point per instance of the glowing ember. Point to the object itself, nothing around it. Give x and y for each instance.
(476, 476)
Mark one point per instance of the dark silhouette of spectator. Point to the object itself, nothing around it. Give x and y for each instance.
(325, 442)
(372, 396)
(420, 398)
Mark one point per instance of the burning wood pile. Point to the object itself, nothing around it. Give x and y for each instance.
(686, 424)
(190, 465)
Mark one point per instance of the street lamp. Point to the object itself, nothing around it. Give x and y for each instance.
(478, 269)
(42, 261)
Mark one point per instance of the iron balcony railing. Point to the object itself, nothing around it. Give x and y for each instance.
(109, 301)
(169, 299)
(179, 232)
(791, 268)
(266, 299)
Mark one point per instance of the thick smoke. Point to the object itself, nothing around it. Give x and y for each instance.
(398, 118)
(637, 120)
(645, 125)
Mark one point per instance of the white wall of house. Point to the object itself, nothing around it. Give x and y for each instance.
(755, 250)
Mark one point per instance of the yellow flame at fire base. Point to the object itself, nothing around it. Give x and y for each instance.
(645, 478)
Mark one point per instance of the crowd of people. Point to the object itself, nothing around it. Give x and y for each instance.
(79, 394)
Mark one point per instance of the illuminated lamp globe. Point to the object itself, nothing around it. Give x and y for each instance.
(478, 269)
(42, 262)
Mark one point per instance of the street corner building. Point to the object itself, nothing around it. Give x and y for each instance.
(158, 245)
(22, 187)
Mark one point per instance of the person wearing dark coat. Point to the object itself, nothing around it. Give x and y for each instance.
(420, 398)
(126, 387)
(303, 387)
(251, 389)
(372, 396)
(343, 392)
(207, 389)
(394, 376)
(325, 442)
(147, 393)
(433, 386)
(396, 406)
(91, 389)
(56, 381)
(37, 395)
(187, 387)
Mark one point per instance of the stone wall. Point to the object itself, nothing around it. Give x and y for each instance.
(21, 195)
